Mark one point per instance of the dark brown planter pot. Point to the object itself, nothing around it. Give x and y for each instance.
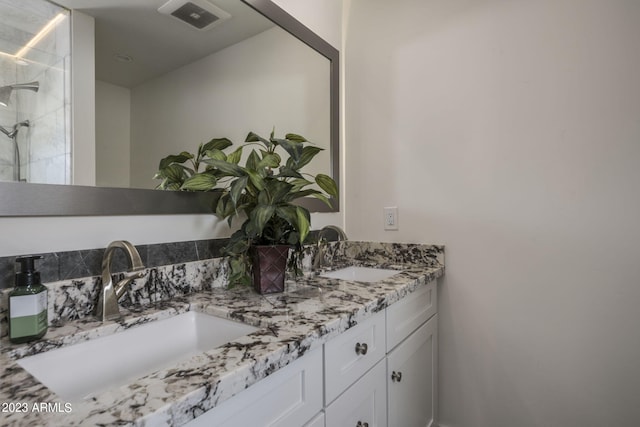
(269, 268)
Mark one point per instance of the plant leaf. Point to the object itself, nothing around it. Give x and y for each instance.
(253, 160)
(254, 137)
(269, 160)
(237, 187)
(327, 184)
(289, 172)
(293, 195)
(229, 169)
(278, 190)
(235, 156)
(264, 198)
(293, 148)
(256, 179)
(299, 183)
(288, 213)
(200, 182)
(323, 198)
(217, 144)
(179, 158)
(174, 173)
(308, 153)
(260, 216)
(303, 222)
(295, 137)
(216, 154)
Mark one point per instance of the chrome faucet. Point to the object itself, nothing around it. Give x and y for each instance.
(322, 241)
(339, 231)
(107, 308)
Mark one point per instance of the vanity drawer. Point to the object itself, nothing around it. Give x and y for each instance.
(351, 354)
(408, 314)
(289, 397)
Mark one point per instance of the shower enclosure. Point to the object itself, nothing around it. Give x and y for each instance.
(35, 120)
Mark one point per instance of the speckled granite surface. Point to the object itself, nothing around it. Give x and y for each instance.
(311, 311)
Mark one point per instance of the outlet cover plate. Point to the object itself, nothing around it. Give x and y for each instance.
(390, 218)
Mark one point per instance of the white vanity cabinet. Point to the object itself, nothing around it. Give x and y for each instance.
(402, 393)
(412, 356)
(381, 372)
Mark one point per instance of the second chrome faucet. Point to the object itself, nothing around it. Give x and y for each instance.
(322, 242)
(110, 293)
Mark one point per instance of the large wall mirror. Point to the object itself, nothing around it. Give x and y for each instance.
(162, 86)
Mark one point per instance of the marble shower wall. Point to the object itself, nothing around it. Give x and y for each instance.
(45, 146)
(7, 118)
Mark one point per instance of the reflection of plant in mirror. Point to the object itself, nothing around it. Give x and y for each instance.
(264, 190)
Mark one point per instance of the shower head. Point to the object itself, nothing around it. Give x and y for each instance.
(5, 91)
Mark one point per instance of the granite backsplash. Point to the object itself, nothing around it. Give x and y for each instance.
(177, 269)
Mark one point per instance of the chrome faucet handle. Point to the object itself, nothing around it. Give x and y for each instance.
(121, 286)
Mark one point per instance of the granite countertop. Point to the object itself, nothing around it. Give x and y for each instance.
(311, 311)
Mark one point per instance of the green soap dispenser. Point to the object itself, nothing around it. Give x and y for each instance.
(27, 303)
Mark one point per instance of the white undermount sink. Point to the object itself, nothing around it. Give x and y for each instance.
(360, 274)
(85, 369)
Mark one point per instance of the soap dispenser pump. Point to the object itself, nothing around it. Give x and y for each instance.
(27, 303)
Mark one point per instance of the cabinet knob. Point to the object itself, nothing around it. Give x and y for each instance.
(361, 348)
(396, 376)
(361, 424)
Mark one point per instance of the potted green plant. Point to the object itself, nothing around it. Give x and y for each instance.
(263, 191)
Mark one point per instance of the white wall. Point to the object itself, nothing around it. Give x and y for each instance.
(323, 17)
(83, 90)
(509, 131)
(113, 135)
(46, 234)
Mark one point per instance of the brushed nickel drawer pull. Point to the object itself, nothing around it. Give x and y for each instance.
(361, 349)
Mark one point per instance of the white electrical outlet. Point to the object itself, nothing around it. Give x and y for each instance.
(390, 218)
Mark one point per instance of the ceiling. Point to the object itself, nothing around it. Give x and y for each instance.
(158, 43)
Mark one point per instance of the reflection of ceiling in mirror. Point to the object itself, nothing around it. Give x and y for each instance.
(157, 43)
(266, 80)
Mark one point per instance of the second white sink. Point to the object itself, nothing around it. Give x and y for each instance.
(361, 274)
(82, 370)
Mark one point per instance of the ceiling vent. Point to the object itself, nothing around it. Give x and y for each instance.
(199, 14)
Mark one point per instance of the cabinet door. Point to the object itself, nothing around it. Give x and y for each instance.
(408, 314)
(290, 397)
(364, 404)
(412, 378)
